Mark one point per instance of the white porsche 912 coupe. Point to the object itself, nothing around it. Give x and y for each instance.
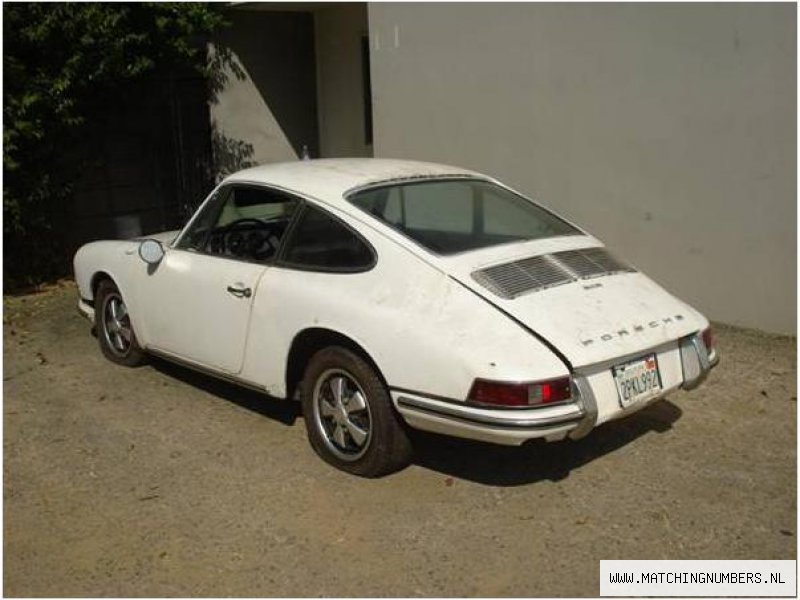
(388, 294)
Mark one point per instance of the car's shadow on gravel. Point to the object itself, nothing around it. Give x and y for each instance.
(491, 464)
(278, 410)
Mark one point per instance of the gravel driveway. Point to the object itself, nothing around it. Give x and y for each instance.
(158, 481)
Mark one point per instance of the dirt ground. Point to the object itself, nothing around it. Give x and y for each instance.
(158, 482)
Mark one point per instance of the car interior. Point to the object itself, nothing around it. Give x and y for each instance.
(245, 222)
(249, 223)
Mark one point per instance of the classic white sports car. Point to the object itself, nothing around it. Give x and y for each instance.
(387, 294)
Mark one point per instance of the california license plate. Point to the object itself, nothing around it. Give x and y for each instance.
(637, 380)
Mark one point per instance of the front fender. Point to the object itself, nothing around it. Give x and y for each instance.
(107, 256)
(116, 259)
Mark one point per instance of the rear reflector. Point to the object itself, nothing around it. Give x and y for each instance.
(520, 394)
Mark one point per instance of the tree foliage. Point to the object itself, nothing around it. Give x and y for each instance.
(63, 62)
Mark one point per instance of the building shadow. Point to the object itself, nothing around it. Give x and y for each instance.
(537, 460)
(275, 51)
(282, 411)
(230, 155)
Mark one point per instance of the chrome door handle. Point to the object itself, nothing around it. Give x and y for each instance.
(240, 292)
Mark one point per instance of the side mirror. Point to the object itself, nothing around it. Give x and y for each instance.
(151, 251)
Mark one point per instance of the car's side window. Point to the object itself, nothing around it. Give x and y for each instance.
(321, 242)
(243, 222)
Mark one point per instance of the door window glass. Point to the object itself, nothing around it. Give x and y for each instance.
(244, 222)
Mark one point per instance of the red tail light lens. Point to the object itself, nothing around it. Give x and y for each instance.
(520, 394)
(708, 339)
(502, 394)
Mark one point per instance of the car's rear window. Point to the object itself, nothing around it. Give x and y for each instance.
(450, 216)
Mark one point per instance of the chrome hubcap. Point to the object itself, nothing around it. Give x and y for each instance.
(342, 415)
(117, 325)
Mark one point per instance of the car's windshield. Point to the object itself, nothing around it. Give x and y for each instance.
(455, 215)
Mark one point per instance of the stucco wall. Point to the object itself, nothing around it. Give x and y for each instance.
(668, 130)
(339, 28)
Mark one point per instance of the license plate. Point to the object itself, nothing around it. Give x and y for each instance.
(637, 380)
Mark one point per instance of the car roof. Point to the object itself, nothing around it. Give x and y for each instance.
(330, 179)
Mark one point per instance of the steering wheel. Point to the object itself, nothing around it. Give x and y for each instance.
(250, 237)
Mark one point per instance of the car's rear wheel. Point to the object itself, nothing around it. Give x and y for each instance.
(349, 416)
(114, 328)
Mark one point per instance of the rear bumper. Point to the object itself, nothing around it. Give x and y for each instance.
(688, 362)
(696, 361)
(500, 426)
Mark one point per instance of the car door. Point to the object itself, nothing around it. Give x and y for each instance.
(197, 301)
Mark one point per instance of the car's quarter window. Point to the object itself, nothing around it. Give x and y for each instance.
(449, 216)
(320, 242)
(245, 222)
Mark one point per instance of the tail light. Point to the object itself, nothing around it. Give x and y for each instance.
(709, 340)
(520, 394)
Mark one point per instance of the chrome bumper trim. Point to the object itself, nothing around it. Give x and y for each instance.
(696, 361)
(536, 418)
(589, 404)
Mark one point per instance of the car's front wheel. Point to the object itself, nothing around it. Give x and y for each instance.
(349, 416)
(114, 329)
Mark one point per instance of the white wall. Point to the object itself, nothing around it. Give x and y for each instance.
(668, 130)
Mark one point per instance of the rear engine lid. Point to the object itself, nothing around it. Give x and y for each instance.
(590, 305)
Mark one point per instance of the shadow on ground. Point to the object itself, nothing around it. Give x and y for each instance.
(484, 463)
(537, 460)
(275, 409)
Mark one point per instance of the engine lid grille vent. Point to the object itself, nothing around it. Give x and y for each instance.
(538, 273)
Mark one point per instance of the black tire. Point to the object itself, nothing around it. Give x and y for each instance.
(109, 334)
(387, 448)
